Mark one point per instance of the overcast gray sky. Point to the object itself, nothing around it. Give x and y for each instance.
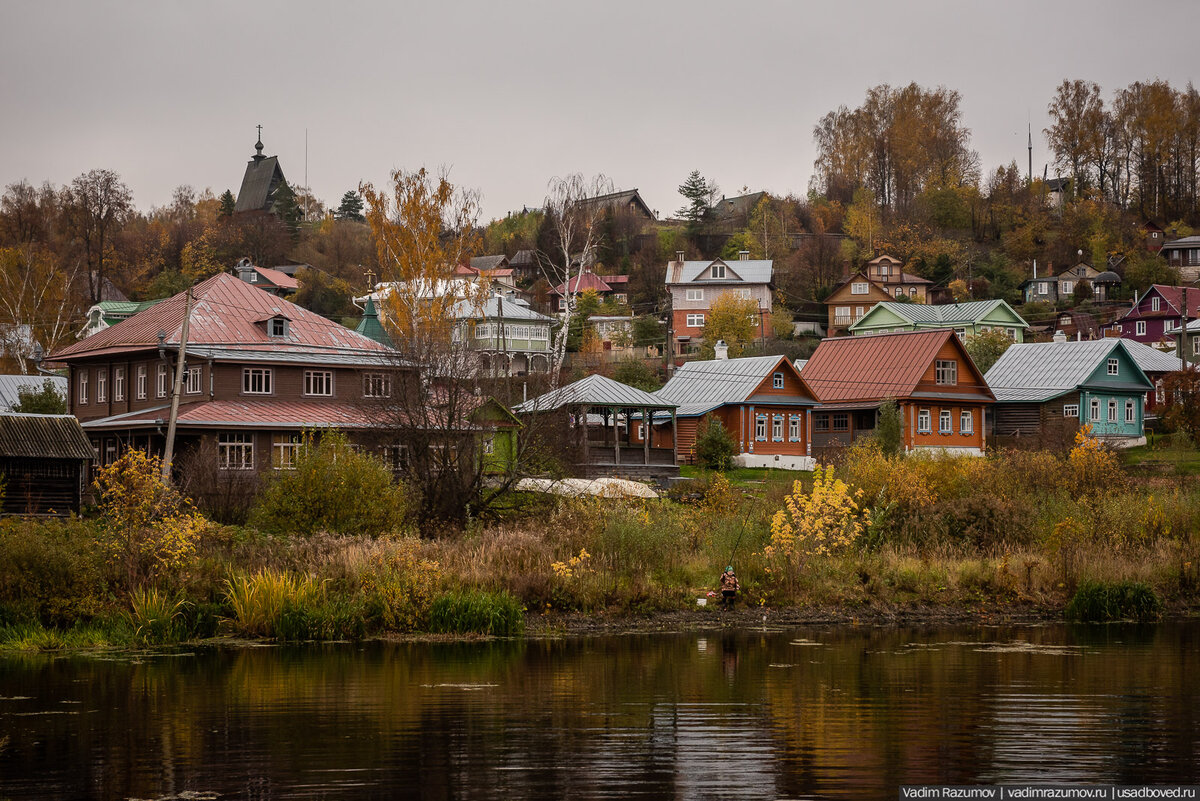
(509, 94)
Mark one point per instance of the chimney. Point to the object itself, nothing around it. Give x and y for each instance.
(679, 255)
(721, 350)
(244, 268)
(743, 255)
(1059, 336)
(1035, 269)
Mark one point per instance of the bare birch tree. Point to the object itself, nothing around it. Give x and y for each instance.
(576, 215)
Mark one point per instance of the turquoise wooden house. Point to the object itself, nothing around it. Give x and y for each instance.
(1046, 390)
(967, 319)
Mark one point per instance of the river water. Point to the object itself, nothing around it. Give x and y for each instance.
(849, 712)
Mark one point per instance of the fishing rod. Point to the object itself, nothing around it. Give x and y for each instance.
(738, 541)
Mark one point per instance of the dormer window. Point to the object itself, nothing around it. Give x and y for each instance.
(277, 326)
(718, 271)
(252, 278)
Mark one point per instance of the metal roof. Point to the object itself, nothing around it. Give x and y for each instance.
(738, 271)
(278, 278)
(881, 366)
(490, 310)
(699, 387)
(1152, 360)
(595, 390)
(224, 313)
(263, 414)
(488, 262)
(1185, 242)
(43, 436)
(944, 314)
(11, 386)
(1031, 370)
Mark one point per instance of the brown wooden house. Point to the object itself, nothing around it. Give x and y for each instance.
(941, 393)
(259, 370)
(850, 301)
(44, 463)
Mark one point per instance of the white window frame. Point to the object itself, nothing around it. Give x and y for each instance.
(1071, 410)
(695, 294)
(1130, 412)
(946, 372)
(639, 435)
(794, 428)
(193, 380)
(860, 288)
(843, 418)
(285, 450)
(1196, 345)
(744, 294)
(118, 387)
(257, 381)
(1094, 411)
(692, 321)
(1141, 328)
(718, 271)
(1114, 367)
(777, 428)
(1112, 411)
(83, 386)
(1068, 287)
(777, 381)
(1154, 303)
(966, 422)
(1043, 288)
(318, 383)
(899, 291)
(377, 385)
(945, 422)
(277, 327)
(101, 386)
(489, 445)
(924, 421)
(161, 389)
(760, 428)
(235, 450)
(140, 387)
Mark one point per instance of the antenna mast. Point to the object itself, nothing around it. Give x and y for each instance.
(1030, 173)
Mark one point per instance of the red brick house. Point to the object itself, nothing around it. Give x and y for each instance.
(696, 285)
(258, 371)
(941, 394)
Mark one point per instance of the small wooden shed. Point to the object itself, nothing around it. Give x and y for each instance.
(44, 461)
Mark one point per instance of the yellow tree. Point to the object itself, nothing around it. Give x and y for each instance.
(733, 319)
(37, 306)
(422, 228)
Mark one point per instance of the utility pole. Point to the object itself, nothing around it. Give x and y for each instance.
(1184, 345)
(176, 391)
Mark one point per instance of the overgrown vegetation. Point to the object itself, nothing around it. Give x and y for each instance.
(1026, 529)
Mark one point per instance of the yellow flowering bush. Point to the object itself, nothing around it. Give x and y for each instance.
(1093, 468)
(827, 520)
(575, 565)
(147, 528)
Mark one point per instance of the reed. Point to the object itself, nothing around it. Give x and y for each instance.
(157, 618)
(260, 602)
(475, 612)
(1099, 602)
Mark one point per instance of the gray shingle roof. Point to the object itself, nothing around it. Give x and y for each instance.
(43, 436)
(699, 387)
(10, 386)
(595, 390)
(1039, 371)
(749, 271)
(258, 185)
(488, 262)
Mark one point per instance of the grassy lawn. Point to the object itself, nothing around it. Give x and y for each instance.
(1163, 459)
(747, 475)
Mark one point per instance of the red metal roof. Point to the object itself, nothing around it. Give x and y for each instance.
(278, 278)
(582, 283)
(872, 367)
(249, 413)
(224, 312)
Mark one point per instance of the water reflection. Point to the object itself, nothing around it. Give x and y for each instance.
(829, 713)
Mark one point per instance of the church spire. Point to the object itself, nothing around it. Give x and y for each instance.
(258, 146)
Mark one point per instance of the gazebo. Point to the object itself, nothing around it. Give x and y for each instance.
(598, 412)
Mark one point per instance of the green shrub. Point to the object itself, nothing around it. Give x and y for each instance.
(499, 614)
(333, 488)
(50, 572)
(1098, 601)
(398, 588)
(715, 447)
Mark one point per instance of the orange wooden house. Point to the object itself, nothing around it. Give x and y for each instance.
(761, 400)
(941, 393)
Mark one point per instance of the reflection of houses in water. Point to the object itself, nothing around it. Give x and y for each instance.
(717, 750)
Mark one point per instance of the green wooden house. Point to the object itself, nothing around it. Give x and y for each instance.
(498, 429)
(1046, 390)
(967, 319)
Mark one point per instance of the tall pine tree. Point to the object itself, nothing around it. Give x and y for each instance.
(351, 207)
(228, 204)
(700, 194)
